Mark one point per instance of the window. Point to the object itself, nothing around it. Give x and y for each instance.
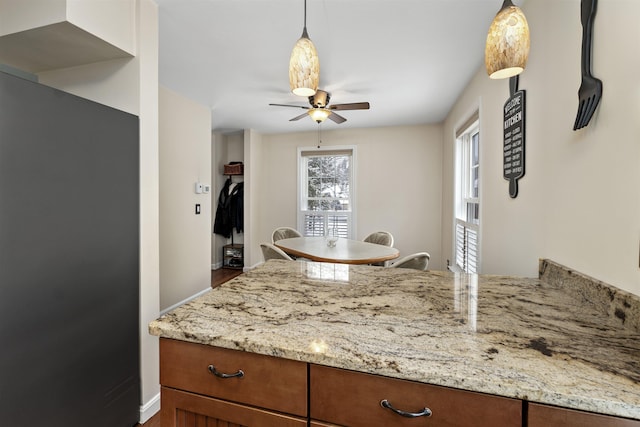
(326, 191)
(467, 209)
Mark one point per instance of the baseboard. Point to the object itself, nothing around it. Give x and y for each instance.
(166, 310)
(149, 409)
(216, 265)
(245, 269)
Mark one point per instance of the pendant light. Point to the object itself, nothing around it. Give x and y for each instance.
(507, 48)
(304, 65)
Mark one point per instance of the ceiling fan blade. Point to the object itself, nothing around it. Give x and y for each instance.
(351, 106)
(299, 117)
(287, 105)
(337, 118)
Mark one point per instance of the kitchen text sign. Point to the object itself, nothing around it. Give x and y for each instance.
(514, 136)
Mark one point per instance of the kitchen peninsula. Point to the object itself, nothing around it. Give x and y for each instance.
(511, 339)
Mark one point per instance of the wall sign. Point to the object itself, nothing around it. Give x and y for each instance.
(514, 135)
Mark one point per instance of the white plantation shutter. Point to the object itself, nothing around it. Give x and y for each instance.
(316, 223)
(466, 247)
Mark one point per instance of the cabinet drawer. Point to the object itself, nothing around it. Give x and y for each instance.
(354, 399)
(268, 382)
(183, 409)
(550, 416)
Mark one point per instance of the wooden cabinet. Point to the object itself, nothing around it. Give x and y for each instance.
(211, 383)
(354, 399)
(315, 423)
(550, 416)
(182, 409)
(204, 385)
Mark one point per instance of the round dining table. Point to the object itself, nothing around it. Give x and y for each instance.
(345, 251)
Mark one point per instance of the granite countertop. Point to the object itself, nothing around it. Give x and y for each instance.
(508, 336)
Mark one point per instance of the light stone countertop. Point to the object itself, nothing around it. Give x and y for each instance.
(503, 335)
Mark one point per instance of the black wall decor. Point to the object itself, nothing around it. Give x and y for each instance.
(514, 136)
(590, 90)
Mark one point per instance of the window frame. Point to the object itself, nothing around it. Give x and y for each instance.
(466, 230)
(301, 196)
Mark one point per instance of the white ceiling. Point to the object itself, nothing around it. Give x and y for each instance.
(409, 58)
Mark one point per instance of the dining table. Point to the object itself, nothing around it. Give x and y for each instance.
(342, 251)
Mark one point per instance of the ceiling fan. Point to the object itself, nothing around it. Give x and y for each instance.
(321, 110)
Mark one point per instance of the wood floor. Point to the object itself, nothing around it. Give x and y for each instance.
(218, 277)
(221, 275)
(153, 421)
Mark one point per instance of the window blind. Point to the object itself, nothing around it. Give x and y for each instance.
(466, 247)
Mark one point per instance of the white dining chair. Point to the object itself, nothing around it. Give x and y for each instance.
(383, 238)
(380, 238)
(284, 233)
(416, 261)
(270, 251)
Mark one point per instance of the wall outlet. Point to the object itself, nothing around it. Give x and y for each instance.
(206, 188)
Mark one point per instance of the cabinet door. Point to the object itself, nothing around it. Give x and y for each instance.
(354, 399)
(183, 409)
(267, 382)
(549, 416)
(314, 423)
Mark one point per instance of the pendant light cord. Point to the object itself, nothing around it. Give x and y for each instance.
(305, 35)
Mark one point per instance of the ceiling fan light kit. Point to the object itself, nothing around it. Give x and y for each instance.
(320, 109)
(304, 64)
(319, 114)
(507, 48)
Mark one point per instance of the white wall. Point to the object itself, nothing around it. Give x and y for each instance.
(399, 183)
(579, 203)
(185, 238)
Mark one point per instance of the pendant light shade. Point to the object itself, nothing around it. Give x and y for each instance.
(507, 48)
(304, 64)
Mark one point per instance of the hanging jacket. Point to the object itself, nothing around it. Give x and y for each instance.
(222, 224)
(236, 207)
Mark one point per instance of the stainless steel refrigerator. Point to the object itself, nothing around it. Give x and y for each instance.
(69, 265)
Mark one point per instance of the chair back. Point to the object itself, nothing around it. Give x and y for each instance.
(270, 251)
(383, 238)
(417, 261)
(284, 233)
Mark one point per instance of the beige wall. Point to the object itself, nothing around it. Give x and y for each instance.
(579, 203)
(398, 183)
(185, 238)
(113, 21)
(255, 202)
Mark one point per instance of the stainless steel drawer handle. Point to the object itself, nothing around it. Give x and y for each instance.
(219, 374)
(426, 412)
